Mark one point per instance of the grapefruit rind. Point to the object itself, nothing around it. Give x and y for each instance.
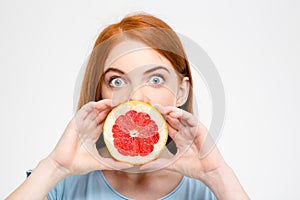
(138, 106)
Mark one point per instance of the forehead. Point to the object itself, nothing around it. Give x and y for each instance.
(130, 54)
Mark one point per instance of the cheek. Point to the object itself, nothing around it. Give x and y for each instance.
(162, 96)
(106, 93)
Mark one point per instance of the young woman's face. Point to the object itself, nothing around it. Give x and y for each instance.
(134, 71)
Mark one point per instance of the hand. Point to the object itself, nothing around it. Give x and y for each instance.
(76, 151)
(197, 155)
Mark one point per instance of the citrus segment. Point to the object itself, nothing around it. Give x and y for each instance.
(135, 132)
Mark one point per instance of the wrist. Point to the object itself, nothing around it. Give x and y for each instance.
(54, 169)
(42, 179)
(224, 184)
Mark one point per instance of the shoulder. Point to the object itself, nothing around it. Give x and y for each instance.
(78, 186)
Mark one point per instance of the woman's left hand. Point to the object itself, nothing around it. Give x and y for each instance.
(197, 153)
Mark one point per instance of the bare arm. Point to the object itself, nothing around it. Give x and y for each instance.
(36, 187)
(71, 154)
(201, 158)
(225, 185)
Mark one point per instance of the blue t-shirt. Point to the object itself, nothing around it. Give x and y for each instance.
(94, 186)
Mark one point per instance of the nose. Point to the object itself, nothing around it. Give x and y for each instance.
(140, 94)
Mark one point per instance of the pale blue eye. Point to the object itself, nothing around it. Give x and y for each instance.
(117, 82)
(156, 80)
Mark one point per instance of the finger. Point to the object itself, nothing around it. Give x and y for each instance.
(161, 109)
(92, 115)
(173, 122)
(97, 117)
(102, 162)
(99, 107)
(85, 110)
(185, 117)
(103, 104)
(172, 133)
(102, 116)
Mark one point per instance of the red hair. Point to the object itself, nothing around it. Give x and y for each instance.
(147, 29)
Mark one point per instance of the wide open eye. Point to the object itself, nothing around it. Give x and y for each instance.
(117, 82)
(156, 79)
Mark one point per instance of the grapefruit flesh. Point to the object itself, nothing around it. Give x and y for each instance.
(135, 132)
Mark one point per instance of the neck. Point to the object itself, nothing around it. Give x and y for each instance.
(136, 177)
(131, 184)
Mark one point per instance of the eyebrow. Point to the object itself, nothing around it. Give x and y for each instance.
(146, 72)
(156, 68)
(114, 70)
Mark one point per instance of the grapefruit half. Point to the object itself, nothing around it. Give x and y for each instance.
(135, 132)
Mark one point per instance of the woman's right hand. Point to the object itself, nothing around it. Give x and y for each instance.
(76, 151)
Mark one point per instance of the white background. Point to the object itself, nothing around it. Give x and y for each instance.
(255, 46)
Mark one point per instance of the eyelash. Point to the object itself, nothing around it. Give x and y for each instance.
(156, 74)
(112, 78)
(160, 76)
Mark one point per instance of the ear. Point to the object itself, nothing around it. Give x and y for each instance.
(183, 92)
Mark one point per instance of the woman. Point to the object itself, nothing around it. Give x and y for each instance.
(139, 58)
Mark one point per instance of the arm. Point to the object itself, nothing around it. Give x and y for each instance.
(224, 184)
(45, 176)
(75, 153)
(197, 155)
